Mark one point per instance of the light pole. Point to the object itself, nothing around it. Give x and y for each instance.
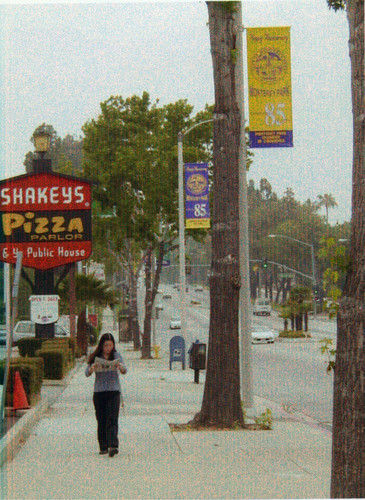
(43, 279)
(312, 254)
(182, 277)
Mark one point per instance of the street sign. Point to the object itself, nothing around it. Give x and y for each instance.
(47, 217)
(286, 275)
(44, 309)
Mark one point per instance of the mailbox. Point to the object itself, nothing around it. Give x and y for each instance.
(177, 350)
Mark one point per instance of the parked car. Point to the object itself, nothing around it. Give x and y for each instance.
(262, 307)
(263, 337)
(175, 323)
(26, 328)
(2, 334)
(166, 296)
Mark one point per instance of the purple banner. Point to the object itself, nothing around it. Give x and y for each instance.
(197, 195)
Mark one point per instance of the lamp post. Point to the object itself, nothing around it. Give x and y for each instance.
(182, 276)
(312, 254)
(43, 279)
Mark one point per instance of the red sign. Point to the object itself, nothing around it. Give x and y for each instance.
(47, 216)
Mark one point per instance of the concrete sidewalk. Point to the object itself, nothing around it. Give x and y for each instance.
(60, 458)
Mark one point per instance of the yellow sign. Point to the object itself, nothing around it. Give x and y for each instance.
(269, 87)
(197, 223)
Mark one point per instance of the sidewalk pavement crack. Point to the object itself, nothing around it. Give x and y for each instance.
(177, 444)
(300, 467)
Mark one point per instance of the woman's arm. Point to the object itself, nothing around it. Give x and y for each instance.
(90, 370)
(121, 367)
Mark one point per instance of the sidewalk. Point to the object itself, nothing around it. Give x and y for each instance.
(60, 458)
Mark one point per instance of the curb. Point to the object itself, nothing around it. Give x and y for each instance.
(11, 443)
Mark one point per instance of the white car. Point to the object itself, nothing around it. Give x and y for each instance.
(27, 329)
(175, 323)
(262, 307)
(263, 337)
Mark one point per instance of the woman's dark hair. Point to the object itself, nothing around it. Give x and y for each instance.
(99, 350)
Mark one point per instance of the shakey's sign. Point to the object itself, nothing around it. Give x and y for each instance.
(47, 216)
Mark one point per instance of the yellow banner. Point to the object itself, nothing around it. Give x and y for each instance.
(197, 223)
(269, 87)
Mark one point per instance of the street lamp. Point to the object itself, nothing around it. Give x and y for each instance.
(312, 253)
(43, 279)
(42, 142)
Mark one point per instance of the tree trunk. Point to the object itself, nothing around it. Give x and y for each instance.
(81, 336)
(133, 311)
(348, 445)
(221, 406)
(146, 338)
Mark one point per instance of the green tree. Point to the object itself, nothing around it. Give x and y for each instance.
(328, 201)
(336, 261)
(297, 307)
(131, 150)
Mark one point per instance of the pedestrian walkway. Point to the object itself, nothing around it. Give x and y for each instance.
(60, 458)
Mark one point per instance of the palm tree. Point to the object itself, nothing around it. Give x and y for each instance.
(328, 201)
(88, 290)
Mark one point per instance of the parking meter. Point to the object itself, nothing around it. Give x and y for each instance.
(197, 358)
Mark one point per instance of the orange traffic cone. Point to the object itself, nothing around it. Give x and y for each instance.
(20, 401)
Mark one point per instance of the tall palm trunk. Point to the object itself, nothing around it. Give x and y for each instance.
(221, 404)
(348, 448)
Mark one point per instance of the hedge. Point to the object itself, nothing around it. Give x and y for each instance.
(31, 373)
(28, 346)
(54, 363)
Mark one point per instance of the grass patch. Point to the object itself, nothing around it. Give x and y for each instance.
(292, 334)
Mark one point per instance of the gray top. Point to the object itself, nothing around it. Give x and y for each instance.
(107, 381)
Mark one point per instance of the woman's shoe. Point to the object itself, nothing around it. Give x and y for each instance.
(113, 451)
(103, 452)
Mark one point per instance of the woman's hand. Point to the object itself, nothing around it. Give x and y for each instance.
(92, 368)
(122, 369)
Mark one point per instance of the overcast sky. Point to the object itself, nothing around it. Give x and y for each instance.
(58, 62)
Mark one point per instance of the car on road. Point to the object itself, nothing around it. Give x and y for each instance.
(175, 323)
(262, 307)
(26, 328)
(159, 307)
(263, 337)
(166, 296)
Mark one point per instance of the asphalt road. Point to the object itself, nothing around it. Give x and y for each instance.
(291, 373)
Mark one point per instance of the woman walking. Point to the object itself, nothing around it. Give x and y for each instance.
(106, 362)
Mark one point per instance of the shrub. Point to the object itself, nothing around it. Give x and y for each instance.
(54, 363)
(36, 366)
(31, 374)
(28, 346)
(59, 345)
(292, 334)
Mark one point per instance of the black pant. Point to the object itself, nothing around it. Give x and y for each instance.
(107, 412)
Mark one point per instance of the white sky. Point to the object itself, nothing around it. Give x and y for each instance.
(59, 61)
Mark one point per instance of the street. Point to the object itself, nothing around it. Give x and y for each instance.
(290, 372)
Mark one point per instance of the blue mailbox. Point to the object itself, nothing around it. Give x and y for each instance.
(177, 350)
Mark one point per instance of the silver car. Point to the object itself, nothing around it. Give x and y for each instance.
(26, 328)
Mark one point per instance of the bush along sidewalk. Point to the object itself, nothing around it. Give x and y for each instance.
(39, 359)
(294, 334)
